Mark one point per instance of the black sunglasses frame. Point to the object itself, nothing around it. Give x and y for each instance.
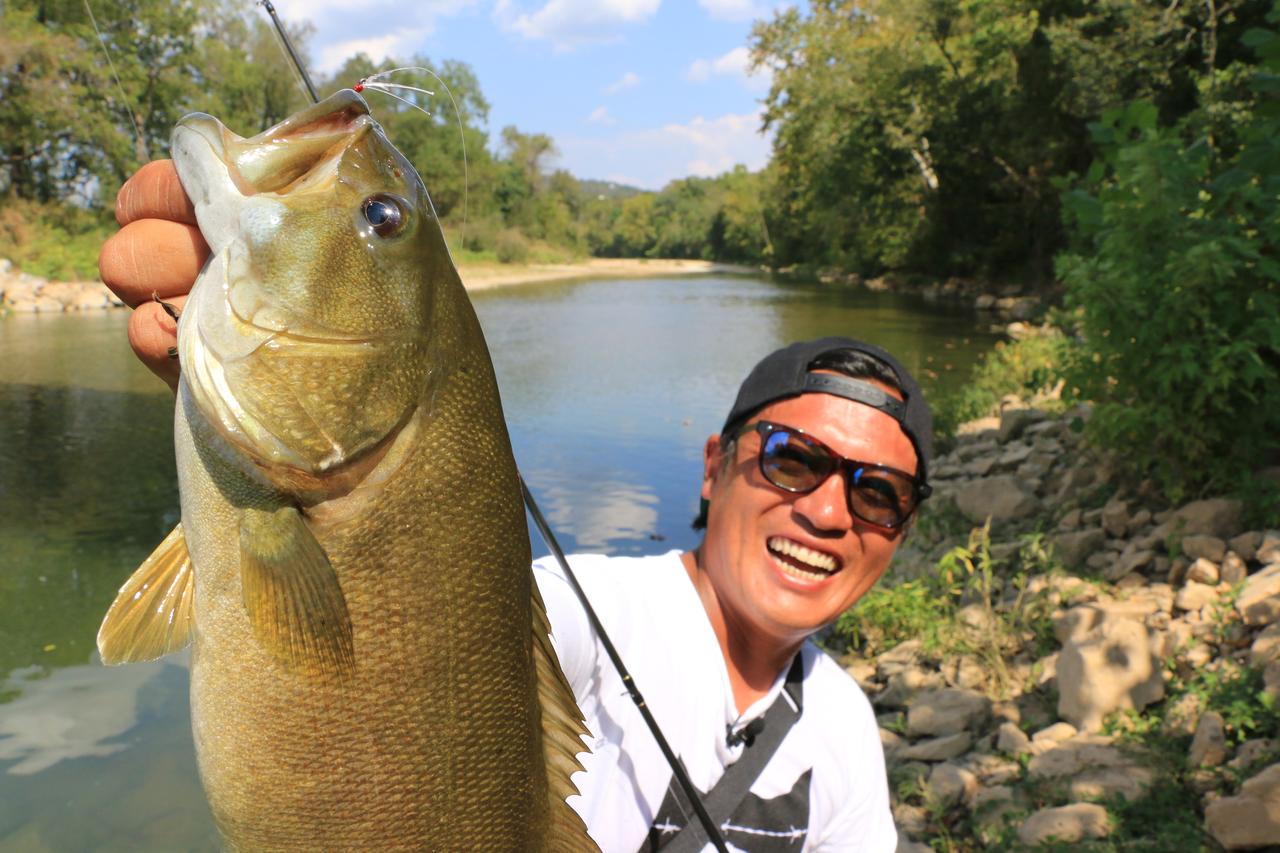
(920, 491)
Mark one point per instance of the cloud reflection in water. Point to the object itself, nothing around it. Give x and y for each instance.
(73, 713)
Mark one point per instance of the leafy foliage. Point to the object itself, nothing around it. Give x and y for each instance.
(1176, 278)
(1025, 367)
(928, 134)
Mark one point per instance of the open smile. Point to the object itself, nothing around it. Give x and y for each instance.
(800, 561)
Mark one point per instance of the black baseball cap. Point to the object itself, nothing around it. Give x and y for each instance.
(787, 373)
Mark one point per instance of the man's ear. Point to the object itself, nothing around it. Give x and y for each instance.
(712, 464)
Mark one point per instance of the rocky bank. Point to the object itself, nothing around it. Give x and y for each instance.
(1111, 674)
(25, 293)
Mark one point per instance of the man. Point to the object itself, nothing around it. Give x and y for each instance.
(807, 491)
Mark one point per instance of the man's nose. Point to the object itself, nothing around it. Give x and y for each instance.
(827, 506)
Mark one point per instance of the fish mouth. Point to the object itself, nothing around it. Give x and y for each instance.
(297, 154)
(801, 561)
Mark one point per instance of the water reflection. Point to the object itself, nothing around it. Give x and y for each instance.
(599, 515)
(72, 713)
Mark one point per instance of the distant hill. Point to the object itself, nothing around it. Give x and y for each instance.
(607, 189)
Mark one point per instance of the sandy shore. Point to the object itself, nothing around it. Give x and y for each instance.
(26, 294)
(483, 276)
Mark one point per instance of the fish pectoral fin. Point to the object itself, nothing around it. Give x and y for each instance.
(291, 593)
(152, 614)
(562, 731)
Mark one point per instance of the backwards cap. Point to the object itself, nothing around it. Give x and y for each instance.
(785, 373)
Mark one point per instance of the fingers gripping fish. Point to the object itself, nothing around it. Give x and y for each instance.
(371, 667)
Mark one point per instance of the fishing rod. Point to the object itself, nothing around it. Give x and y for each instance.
(677, 767)
(288, 46)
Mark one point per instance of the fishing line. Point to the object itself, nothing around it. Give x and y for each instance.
(124, 100)
(375, 82)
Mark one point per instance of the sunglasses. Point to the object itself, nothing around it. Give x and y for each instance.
(795, 462)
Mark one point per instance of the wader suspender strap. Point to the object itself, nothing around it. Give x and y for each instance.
(725, 796)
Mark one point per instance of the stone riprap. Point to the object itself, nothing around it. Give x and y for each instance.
(24, 293)
(1144, 594)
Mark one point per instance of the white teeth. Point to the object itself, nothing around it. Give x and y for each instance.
(823, 564)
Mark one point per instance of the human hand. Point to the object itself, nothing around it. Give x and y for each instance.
(156, 255)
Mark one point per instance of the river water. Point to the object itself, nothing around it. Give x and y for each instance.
(610, 389)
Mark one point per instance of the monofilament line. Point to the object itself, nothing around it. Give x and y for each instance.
(374, 81)
(124, 101)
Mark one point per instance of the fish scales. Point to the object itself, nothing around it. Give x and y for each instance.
(366, 657)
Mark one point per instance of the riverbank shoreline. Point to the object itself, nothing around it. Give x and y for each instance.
(24, 293)
(1061, 656)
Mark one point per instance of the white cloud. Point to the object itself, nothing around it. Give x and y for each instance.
(346, 27)
(571, 23)
(735, 64)
(626, 81)
(739, 10)
(652, 158)
(601, 116)
(399, 44)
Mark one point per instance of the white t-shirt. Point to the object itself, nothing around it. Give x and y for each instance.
(656, 621)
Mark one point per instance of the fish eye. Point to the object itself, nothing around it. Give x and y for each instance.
(385, 213)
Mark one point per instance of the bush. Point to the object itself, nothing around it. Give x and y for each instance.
(1177, 280)
(60, 242)
(1026, 367)
(511, 247)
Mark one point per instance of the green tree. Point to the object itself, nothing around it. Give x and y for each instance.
(1176, 279)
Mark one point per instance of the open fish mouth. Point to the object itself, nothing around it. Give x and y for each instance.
(297, 154)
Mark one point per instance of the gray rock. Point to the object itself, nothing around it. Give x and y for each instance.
(948, 784)
(1070, 521)
(948, 711)
(1014, 421)
(1201, 546)
(906, 684)
(906, 845)
(1115, 517)
(1234, 570)
(1268, 552)
(1065, 824)
(1203, 570)
(991, 769)
(1254, 751)
(1246, 544)
(1194, 596)
(1209, 745)
(1054, 734)
(1075, 547)
(1091, 766)
(899, 657)
(964, 671)
(1131, 560)
(1218, 517)
(1250, 819)
(1109, 668)
(1012, 740)
(1001, 498)
(1259, 598)
(1266, 646)
(937, 748)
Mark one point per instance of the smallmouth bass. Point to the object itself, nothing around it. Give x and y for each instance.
(371, 668)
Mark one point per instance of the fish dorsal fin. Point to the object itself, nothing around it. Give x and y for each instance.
(152, 613)
(562, 730)
(291, 594)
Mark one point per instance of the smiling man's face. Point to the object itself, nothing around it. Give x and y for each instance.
(767, 551)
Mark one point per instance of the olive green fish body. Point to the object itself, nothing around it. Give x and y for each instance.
(370, 667)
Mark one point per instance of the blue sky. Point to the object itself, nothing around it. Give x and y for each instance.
(636, 91)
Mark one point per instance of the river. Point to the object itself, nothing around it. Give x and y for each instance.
(610, 389)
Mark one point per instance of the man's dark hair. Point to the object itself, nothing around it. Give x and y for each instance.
(851, 363)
